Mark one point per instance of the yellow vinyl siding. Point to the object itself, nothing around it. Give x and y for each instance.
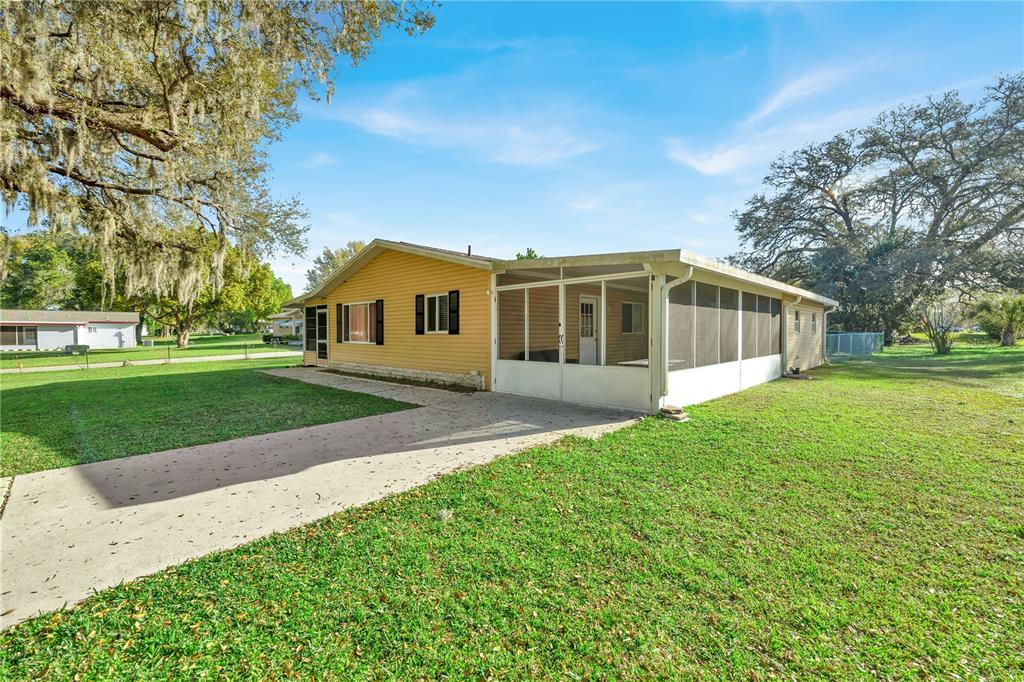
(804, 349)
(397, 278)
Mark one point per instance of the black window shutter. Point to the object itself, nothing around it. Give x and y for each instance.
(339, 327)
(453, 312)
(380, 321)
(419, 313)
(627, 318)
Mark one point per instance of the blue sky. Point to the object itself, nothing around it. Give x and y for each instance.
(593, 127)
(581, 128)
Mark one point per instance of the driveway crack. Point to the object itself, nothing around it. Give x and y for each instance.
(7, 495)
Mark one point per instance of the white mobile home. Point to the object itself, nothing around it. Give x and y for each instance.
(24, 330)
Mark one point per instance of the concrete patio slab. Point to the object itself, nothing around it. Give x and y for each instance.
(68, 532)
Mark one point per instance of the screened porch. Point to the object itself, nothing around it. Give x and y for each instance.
(579, 332)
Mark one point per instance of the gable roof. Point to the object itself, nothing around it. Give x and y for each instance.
(286, 314)
(374, 248)
(65, 316)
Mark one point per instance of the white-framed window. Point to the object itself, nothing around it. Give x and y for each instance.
(359, 322)
(814, 323)
(437, 313)
(632, 318)
(796, 321)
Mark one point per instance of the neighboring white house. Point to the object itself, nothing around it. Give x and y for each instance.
(287, 323)
(54, 329)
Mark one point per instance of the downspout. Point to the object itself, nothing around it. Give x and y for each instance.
(664, 326)
(824, 330)
(785, 321)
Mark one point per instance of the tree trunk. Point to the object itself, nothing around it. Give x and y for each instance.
(183, 329)
(1008, 337)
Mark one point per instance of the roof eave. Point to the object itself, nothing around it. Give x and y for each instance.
(623, 258)
(718, 267)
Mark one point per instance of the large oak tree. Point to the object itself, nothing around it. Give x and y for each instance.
(927, 198)
(121, 117)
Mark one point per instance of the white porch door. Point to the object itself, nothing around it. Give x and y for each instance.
(588, 330)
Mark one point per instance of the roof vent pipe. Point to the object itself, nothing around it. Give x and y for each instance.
(469, 250)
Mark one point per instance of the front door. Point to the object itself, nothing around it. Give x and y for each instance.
(588, 330)
(321, 336)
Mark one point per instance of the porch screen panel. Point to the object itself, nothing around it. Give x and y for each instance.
(728, 324)
(680, 327)
(542, 321)
(706, 345)
(512, 324)
(764, 326)
(776, 327)
(311, 328)
(748, 304)
(8, 335)
(626, 303)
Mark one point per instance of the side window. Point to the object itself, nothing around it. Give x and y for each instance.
(814, 323)
(437, 314)
(632, 318)
(796, 321)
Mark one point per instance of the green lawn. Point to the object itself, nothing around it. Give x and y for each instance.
(57, 419)
(866, 524)
(199, 346)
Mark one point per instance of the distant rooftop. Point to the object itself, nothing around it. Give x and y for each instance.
(65, 316)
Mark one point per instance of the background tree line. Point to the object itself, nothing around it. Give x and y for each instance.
(47, 269)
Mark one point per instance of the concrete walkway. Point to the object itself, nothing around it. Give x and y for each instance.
(68, 532)
(155, 361)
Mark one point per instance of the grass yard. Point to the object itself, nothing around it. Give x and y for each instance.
(57, 419)
(866, 524)
(200, 346)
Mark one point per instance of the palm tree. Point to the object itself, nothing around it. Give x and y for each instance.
(1007, 313)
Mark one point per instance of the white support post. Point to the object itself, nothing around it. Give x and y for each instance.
(603, 322)
(493, 296)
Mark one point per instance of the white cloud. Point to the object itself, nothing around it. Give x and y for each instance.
(721, 160)
(319, 159)
(800, 88)
(751, 148)
(587, 204)
(738, 54)
(517, 141)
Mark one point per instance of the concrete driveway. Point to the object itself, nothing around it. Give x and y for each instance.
(68, 532)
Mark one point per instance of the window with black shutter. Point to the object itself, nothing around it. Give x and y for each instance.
(339, 315)
(420, 306)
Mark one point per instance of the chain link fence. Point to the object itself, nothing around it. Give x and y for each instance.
(840, 345)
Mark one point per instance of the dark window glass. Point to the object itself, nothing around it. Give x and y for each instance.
(728, 325)
(706, 324)
(8, 335)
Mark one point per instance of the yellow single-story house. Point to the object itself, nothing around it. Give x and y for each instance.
(638, 330)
